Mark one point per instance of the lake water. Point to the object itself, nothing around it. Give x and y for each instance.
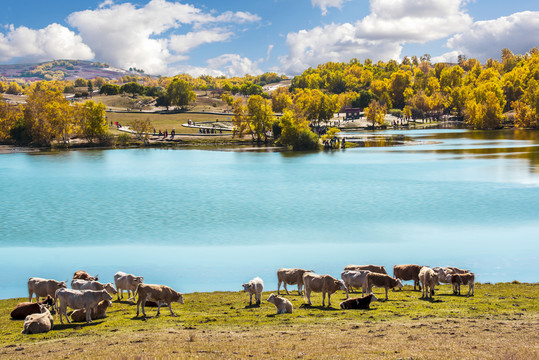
(201, 220)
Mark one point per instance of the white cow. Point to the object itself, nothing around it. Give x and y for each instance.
(78, 284)
(38, 323)
(79, 299)
(355, 279)
(43, 287)
(254, 287)
(127, 282)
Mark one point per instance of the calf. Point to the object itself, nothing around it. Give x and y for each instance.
(456, 270)
(290, 277)
(371, 268)
(43, 287)
(428, 279)
(22, 310)
(283, 305)
(77, 284)
(83, 275)
(254, 287)
(382, 280)
(38, 323)
(408, 272)
(127, 282)
(161, 294)
(325, 284)
(80, 299)
(359, 303)
(463, 279)
(99, 312)
(357, 279)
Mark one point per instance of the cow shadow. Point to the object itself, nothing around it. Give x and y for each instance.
(431, 300)
(320, 307)
(76, 325)
(252, 306)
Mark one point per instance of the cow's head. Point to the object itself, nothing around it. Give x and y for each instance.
(373, 297)
(106, 295)
(246, 287)
(271, 298)
(340, 284)
(110, 289)
(62, 285)
(399, 284)
(139, 279)
(178, 297)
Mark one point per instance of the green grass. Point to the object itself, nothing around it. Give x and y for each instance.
(499, 322)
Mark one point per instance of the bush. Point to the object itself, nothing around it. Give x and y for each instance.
(307, 140)
(123, 139)
(417, 113)
(396, 112)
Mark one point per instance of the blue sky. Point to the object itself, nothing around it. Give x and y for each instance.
(237, 37)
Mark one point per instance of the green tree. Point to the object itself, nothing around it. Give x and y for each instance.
(132, 88)
(180, 93)
(110, 89)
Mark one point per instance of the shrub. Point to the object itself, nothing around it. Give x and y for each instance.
(123, 139)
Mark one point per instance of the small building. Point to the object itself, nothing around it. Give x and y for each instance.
(352, 113)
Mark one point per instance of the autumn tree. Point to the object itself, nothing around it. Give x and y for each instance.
(180, 93)
(375, 113)
(14, 89)
(280, 99)
(295, 132)
(141, 128)
(9, 115)
(260, 116)
(90, 120)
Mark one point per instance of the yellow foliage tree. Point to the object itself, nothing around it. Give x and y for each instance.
(375, 113)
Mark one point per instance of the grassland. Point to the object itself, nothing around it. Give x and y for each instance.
(500, 322)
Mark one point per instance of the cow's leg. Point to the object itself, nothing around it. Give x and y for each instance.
(88, 314)
(250, 299)
(285, 289)
(144, 305)
(158, 308)
(138, 305)
(257, 298)
(329, 299)
(278, 286)
(30, 294)
(170, 308)
(323, 298)
(308, 294)
(299, 289)
(386, 293)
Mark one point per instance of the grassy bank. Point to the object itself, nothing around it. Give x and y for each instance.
(500, 321)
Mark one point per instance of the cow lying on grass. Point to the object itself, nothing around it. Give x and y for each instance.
(22, 310)
(99, 312)
(38, 323)
(359, 302)
(283, 305)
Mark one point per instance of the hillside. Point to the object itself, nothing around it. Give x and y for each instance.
(60, 70)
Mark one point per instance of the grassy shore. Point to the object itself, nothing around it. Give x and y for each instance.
(500, 322)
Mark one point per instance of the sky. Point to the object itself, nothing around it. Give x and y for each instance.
(238, 37)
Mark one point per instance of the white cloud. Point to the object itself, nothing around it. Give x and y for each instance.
(380, 35)
(518, 32)
(268, 53)
(325, 4)
(126, 35)
(53, 42)
(106, 3)
(228, 65)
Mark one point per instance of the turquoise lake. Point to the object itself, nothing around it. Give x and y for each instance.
(205, 220)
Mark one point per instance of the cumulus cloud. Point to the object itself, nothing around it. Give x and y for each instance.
(53, 42)
(325, 4)
(380, 35)
(518, 32)
(126, 35)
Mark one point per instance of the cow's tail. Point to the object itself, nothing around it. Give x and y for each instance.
(135, 293)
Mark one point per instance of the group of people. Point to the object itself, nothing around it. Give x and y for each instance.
(165, 133)
(209, 131)
(335, 143)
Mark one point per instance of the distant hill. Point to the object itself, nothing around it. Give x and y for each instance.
(61, 70)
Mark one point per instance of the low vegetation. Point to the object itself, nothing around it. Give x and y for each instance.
(500, 321)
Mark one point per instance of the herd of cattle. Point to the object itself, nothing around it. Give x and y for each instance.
(90, 299)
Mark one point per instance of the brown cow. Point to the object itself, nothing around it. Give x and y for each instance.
(321, 283)
(382, 280)
(290, 277)
(83, 275)
(98, 312)
(359, 303)
(408, 272)
(372, 268)
(22, 310)
(463, 279)
(161, 294)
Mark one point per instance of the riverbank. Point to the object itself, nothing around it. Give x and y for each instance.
(500, 322)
